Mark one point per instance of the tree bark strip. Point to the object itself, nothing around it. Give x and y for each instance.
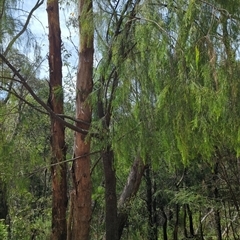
(81, 167)
(58, 147)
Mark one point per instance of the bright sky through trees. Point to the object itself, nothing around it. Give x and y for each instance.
(39, 28)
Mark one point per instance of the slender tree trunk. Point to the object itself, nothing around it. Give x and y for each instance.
(58, 169)
(110, 195)
(164, 227)
(3, 200)
(155, 227)
(129, 191)
(175, 231)
(149, 200)
(201, 237)
(149, 204)
(81, 167)
(185, 221)
(218, 224)
(188, 214)
(111, 221)
(190, 218)
(216, 196)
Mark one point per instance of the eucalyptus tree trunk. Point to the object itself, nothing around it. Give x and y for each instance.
(81, 199)
(58, 147)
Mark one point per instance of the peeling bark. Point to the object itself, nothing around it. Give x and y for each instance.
(81, 218)
(58, 147)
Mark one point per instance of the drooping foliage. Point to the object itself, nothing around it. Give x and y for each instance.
(177, 78)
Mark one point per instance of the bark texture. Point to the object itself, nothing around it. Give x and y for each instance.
(81, 167)
(58, 169)
(110, 195)
(111, 225)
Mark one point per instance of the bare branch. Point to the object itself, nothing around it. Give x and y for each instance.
(37, 5)
(39, 101)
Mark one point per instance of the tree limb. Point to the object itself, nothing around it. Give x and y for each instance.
(37, 5)
(39, 101)
(129, 191)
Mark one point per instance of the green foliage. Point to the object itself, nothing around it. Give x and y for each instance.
(176, 103)
(3, 231)
(168, 79)
(58, 93)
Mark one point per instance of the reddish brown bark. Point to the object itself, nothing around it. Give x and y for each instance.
(58, 147)
(81, 167)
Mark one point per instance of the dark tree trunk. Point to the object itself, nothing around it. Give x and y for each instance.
(110, 195)
(200, 226)
(188, 214)
(111, 221)
(3, 204)
(81, 199)
(176, 225)
(150, 205)
(218, 224)
(190, 219)
(216, 196)
(185, 221)
(3, 200)
(149, 202)
(58, 147)
(164, 227)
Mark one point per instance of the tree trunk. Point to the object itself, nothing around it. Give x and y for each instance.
(58, 147)
(81, 166)
(217, 211)
(111, 224)
(201, 236)
(129, 191)
(150, 205)
(175, 231)
(190, 218)
(164, 227)
(3, 200)
(185, 221)
(187, 213)
(110, 195)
